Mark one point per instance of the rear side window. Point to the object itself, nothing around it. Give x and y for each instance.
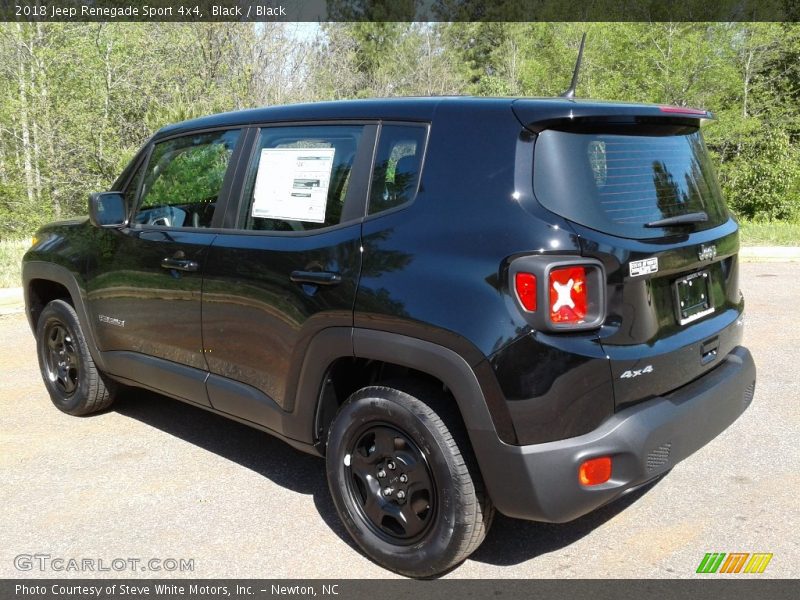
(184, 178)
(299, 177)
(398, 164)
(619, 183)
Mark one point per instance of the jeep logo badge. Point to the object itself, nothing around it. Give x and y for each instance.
(707, 252)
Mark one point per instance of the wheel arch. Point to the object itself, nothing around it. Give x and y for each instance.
(474, 389)
(43, 282)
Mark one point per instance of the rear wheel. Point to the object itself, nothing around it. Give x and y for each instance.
(404, 485)
(75, 384)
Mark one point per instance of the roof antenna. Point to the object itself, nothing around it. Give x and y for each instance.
(570, 93)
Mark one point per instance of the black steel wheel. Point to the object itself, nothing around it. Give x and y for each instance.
(75, 384)
(390, 481)
(61, 359)
(404, 482)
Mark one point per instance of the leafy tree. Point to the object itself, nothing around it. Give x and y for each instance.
(763, 181)
(77, 100)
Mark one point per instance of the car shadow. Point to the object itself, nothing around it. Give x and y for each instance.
(251, 448)
(510, 541)
(513, 541)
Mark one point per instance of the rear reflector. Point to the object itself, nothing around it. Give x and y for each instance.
(595, 471)
(568, 295)
(525, 284)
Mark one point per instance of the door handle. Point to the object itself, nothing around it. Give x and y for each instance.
(316, 277)
(179, 264)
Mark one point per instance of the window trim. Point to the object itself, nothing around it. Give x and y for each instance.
(137, 194)
(355, 200)
(426, 142)
(124, 179)
(224, 193)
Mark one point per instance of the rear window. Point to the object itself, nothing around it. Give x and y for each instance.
(619, 183)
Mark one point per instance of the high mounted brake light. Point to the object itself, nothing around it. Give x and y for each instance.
(684, 110)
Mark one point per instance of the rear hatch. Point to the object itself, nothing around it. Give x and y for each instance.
(637, 184)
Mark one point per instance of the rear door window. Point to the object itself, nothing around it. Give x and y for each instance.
(299, 177)
(620, 183)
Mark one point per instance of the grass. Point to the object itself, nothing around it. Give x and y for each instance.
(770, 234)
(11, 252)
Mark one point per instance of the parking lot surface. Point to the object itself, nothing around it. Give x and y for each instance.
(156, 479)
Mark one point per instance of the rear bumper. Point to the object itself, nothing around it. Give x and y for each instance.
(540, 481)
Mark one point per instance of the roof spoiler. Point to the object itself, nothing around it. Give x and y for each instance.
(536, 115)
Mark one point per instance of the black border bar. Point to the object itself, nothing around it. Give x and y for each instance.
(709, 587)
(399, 10)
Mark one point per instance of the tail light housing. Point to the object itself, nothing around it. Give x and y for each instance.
(560, 293)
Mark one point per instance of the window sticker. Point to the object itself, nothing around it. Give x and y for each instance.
(292, 184)
(597, 159)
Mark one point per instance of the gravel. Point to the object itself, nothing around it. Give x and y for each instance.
(156, 479)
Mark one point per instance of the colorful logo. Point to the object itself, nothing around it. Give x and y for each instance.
(736, 562)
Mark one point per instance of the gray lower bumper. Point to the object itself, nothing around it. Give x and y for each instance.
(540, 482)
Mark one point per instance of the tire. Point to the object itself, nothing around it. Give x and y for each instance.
(76, 385)
(435, 518)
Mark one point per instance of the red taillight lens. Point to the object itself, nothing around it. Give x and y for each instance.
(568, 295)
(595, 471)
(525, 283)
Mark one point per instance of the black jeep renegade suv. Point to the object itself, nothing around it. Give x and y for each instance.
(464, 304)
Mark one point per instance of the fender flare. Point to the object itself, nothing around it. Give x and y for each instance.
(48, 271)
(440, 362)
(481, 406)
(446, 365)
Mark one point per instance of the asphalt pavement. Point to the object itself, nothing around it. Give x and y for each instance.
(157, 480)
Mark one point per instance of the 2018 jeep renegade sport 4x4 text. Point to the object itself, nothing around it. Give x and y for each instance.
(464, 304)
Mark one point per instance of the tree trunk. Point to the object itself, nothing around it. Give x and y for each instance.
(3, 170)
(23, 117)
(107, 99)
(46, 130)
(35, 134)
(746, 83)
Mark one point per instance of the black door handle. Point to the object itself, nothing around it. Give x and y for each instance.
(179, 264)
(316, 277)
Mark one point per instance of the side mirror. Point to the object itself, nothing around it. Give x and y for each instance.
(107, 209)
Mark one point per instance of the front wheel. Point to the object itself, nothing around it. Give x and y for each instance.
(404, 482)
(75, 384)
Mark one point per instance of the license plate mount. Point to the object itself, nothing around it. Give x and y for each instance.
(692, 298)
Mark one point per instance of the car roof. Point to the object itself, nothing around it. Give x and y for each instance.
(403, 109)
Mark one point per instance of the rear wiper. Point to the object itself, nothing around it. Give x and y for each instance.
(687, 219)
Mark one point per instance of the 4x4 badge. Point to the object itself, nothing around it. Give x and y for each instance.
(706, 252)
(631, 373)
